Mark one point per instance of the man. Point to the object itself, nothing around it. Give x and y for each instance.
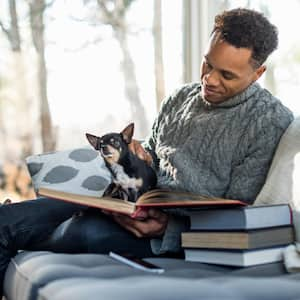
(215, 138)
(218, 137)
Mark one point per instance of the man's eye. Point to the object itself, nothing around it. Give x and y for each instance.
(227, 76)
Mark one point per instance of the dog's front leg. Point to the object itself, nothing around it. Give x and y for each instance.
(109, 190)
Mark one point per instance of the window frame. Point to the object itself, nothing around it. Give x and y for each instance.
(198, 21)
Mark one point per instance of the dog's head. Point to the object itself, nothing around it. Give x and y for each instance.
(112, 146)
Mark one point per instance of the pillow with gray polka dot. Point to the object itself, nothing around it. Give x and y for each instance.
(81, 171)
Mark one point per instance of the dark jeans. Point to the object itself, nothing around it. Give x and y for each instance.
(47, 224)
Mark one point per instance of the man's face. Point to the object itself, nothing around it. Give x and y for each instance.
(226, 70)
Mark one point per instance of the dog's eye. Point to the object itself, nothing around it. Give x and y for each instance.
(116, 143)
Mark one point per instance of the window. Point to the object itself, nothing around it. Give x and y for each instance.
(283, 66)
(74, 66)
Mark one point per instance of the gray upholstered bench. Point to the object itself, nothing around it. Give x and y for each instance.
(45, 275)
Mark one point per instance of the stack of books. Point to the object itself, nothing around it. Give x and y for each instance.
(242, 236)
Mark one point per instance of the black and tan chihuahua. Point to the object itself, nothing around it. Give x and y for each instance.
(132, 176)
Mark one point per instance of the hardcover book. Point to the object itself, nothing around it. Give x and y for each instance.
(159, 198)
(235, 258)
(252, 239)
(241, 218)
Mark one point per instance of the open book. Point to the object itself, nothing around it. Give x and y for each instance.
(159, 198)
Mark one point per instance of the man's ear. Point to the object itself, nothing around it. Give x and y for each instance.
(93, 140)
(259, 71)
(127, 133)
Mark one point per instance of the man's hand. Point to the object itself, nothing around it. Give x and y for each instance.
(153, 223)
(136, 148)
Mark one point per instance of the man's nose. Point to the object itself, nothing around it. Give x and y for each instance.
(212, 78)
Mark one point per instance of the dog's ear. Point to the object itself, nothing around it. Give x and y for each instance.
(93, 140)
(127, 133)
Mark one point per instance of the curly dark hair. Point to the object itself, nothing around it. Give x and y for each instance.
(250, 29)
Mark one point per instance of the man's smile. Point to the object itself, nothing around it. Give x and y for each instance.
(208, 91)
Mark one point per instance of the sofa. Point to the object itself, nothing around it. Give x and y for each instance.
(45, 275)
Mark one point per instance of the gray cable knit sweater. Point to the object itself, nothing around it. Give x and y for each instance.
(221, 149)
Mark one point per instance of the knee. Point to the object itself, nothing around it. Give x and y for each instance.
(98, 232)
(7, 241)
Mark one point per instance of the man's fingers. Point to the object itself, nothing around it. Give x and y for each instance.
(140, 214)
(148, 158)
(144, 155)
(138, 228)
(149, 227)
(125, 223)
(157, 214)
(137, 149)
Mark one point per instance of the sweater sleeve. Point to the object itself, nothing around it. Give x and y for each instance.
(248, 175)
(171, 241)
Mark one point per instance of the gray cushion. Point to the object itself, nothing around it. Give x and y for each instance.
(282, 183)
(80, 170)
(155, 288)
(30, 273)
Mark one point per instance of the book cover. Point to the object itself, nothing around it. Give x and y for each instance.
(241, 218)
(252, 239)
(235, 258)
(159, 198)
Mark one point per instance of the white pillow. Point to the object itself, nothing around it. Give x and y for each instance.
(283, 181)
(80, 171)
